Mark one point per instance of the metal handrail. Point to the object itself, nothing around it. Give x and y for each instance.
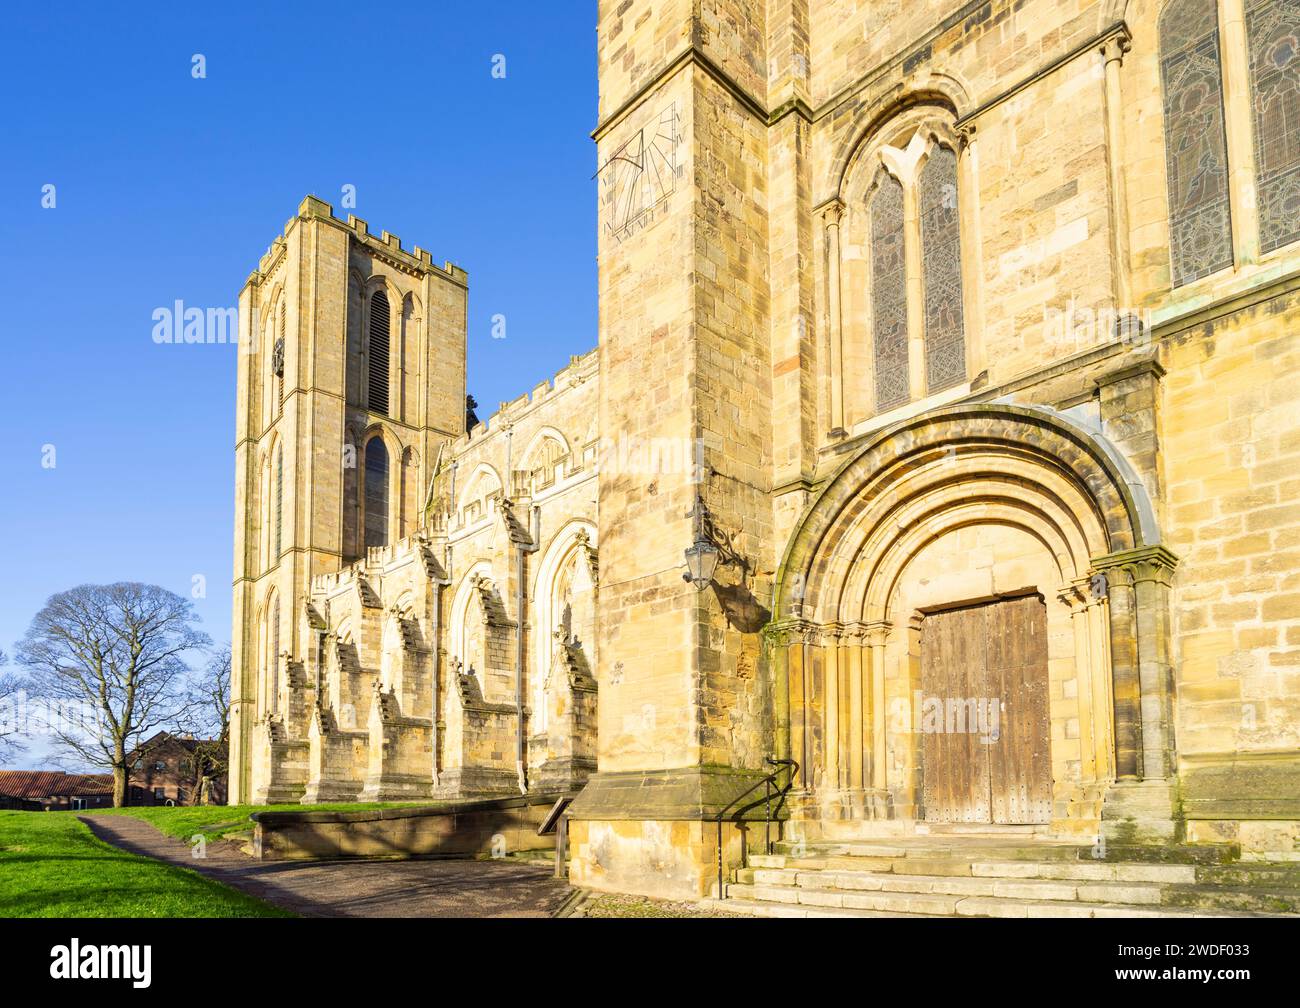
(766, 783)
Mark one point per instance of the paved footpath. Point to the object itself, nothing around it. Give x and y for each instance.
(414, 888)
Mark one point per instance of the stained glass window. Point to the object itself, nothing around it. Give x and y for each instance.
(1200, 221)
(945, 343)
(889, 293)
(376, 493)
(1273, 35)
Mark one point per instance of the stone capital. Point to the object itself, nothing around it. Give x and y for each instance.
(832, 213)
(1115, 46)
(878, 632)
(1128, 568)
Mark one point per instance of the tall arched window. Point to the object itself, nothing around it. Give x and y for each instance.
(277, 504)
(1196, 160)
(378, 353)
(1273, 36)
(889, 292)
(272, 652)
(376, 494)
(945, 334)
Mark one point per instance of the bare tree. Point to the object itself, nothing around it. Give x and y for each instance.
(11, 715)
(114, 655)
(208, 718)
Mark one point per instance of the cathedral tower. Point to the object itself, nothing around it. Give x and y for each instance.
(351, 384)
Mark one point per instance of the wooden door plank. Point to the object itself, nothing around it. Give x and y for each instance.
(1021, 771)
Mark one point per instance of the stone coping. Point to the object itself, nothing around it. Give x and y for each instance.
(272, 820)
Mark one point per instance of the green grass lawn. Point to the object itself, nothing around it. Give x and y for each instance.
(215, 821)
(51, 866)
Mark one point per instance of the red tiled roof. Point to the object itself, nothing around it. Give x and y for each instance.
(33, 785)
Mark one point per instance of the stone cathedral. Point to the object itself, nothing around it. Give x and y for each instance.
(942, 438)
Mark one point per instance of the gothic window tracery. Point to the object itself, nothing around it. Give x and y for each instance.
(945, 343)
(889, 292)
(1200, 219)
(1273, 40)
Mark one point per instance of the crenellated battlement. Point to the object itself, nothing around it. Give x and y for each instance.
(415, 260)
(581, 368)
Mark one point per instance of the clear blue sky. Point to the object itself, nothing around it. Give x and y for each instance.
(170, 187)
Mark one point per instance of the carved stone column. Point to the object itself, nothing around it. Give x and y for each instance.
(858, 670)
(1112, 54)
(831, 217)
(1127, 690)
(972, 254)
(878, 796)
(1152, 578)
(830, 647)
(1075, 597)
(1238, 122)
(1142, 807)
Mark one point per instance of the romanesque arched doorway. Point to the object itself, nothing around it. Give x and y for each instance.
(969, 626)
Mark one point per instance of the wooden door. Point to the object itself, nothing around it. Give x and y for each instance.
(953, 669)
(1020, 763)
(986, 756)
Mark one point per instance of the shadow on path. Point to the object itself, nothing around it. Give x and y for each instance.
(409, 888)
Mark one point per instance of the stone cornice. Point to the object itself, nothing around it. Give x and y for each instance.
(1118, 30)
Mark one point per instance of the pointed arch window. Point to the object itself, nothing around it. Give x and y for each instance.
(889, 292)
(272, 653)
(1196, 144)
(376, 493)
(945, 331)
(378, 353)
(1273, 39)
(277, 505)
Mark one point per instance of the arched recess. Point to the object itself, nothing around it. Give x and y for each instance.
(483, 484)
(938, 94)
(464, 630)
(408, 357)
(964, 506)
(543, 459)
(564, 595)
(270, 653)
(270, 387)
(902, 284)
(378, 462)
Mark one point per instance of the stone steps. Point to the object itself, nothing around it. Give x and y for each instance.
(984, 877)
(1130, 885)
(914, 904)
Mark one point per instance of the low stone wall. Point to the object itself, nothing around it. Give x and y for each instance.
(493, 827)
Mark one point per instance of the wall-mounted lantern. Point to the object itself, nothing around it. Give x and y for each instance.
(709, 549)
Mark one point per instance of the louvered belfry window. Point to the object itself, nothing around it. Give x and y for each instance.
(378, 353)
(1196, 160)
(1273, 37)
(945, 333)
(376, 518)
(889, 293)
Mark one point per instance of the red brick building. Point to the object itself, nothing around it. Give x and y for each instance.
(53, 790)
(179, 769)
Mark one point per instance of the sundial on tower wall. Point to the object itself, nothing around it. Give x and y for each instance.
(639, 176)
